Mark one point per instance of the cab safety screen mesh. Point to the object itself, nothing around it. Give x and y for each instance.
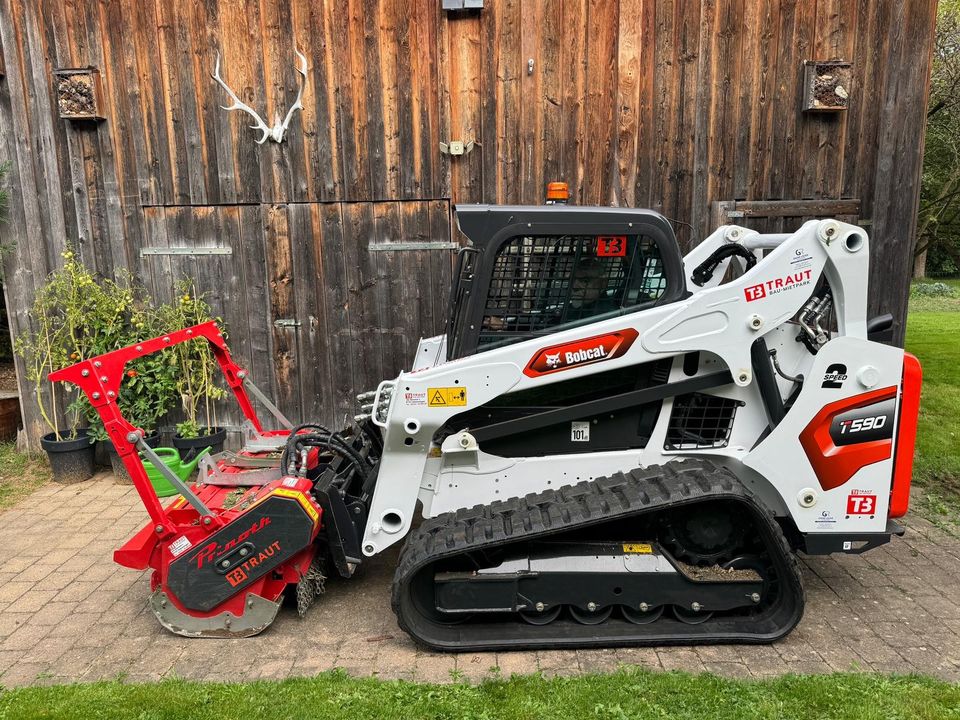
(542, 283)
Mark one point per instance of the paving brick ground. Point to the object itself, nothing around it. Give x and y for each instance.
(67, 613)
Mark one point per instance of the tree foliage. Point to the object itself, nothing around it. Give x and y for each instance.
(938, 229)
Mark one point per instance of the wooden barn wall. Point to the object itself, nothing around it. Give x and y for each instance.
(674, 105)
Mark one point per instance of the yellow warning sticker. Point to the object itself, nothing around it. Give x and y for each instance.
(448, 396)
(638, 548)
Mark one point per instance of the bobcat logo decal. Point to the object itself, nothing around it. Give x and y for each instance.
(553, 360)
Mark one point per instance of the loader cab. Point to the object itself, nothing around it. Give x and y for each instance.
(532, 271)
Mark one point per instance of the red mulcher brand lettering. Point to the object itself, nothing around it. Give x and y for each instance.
(214, 550)
(772, 287)
(581, 352)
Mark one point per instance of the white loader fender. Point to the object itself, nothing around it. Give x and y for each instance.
(849, 377)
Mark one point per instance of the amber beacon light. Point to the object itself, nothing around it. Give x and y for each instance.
(557, 192)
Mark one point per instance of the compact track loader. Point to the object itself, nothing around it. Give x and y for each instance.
(610, 445)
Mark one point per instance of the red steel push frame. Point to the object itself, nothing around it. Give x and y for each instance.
(100, 377)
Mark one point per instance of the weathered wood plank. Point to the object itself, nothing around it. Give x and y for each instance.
(799, 208)
(371, 106)
(391, 110)
(549, 119)
(317, 389)
(322, 168)
(254, 272)
(600, 169)
(174, 114)
(432, 177)
(352, 125)
(461, 55)
(789, 208)
(630, 72)
(342, 317)
(116, 154)
(489, 102)
(507, 71)
(214, 130)
(393, 297)
(530, 191)
(362, 288)
(686, 35)
(286, 363)
(26, 266)
(897, 192)
(573, 65)
(762, 128)
(704, 148)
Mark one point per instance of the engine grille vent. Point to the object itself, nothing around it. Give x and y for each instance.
(699, 421)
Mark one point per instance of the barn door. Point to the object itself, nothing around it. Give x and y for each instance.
(352, 287)
(320, 300)
(219, 249)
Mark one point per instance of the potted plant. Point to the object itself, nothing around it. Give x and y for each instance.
(196, 375)
(73, 316)
(148, 389)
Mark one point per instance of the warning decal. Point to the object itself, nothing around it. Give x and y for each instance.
(448, 396)
(638, 548)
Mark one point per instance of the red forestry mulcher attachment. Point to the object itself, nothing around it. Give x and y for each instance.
(225, 550)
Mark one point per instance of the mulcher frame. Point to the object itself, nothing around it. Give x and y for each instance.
(100, 377)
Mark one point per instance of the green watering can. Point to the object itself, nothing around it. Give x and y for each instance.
(171, 458)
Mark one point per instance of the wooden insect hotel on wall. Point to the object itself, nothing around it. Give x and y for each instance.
(79, 93)
(826, 85)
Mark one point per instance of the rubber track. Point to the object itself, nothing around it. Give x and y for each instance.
(618, 496)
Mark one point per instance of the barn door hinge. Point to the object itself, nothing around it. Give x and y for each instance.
(186, 251)
(286, 323)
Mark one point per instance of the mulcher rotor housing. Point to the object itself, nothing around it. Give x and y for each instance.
(611, 444)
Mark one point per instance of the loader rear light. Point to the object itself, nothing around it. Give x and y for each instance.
(906, 436)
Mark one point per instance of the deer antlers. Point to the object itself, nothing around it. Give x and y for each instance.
(279, 128)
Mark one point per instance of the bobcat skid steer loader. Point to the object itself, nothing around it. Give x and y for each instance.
(610, 445)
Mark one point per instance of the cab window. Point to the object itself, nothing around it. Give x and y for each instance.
(543, 283)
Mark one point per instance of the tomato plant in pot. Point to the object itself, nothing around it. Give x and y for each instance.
(195, 376)
(148, 389)
(72, 315)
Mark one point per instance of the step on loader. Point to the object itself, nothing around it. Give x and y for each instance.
(611, 444)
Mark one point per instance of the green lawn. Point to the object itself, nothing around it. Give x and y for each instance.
(933, 335)
(626, 694)
(20, 474)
